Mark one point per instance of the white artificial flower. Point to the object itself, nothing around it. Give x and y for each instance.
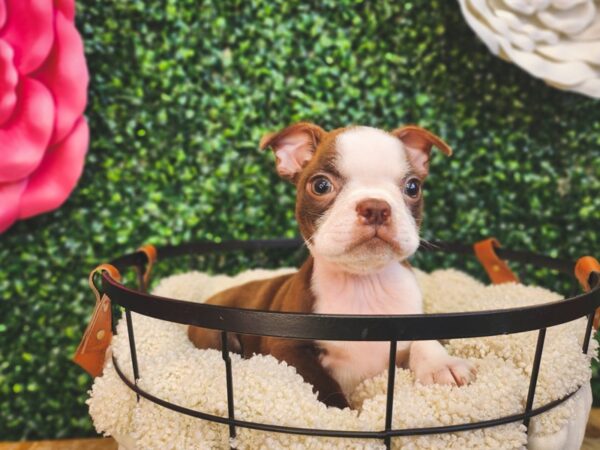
(555, 40)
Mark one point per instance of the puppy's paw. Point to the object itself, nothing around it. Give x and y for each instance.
(448, 370)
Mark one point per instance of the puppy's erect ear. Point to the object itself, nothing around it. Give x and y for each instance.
(293, 146)
(418, 142)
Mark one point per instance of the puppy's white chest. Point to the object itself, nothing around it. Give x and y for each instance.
(391, 291)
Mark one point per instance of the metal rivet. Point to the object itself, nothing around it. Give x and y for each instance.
(496, 268)
(100, 335)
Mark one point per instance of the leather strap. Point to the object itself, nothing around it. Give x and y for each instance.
(496, 268)
(151, 255)
(91, 352)
(584, 268)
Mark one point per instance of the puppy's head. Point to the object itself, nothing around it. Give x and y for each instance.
(359, 190)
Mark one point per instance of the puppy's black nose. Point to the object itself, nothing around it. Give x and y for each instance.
(373, 212)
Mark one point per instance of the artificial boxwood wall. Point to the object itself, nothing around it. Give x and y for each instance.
(182, 90)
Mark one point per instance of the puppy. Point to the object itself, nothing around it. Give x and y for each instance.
(359, 206)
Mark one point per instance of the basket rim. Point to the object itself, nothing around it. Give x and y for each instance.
(346, 327)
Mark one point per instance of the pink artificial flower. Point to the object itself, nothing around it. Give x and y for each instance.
(43, 92)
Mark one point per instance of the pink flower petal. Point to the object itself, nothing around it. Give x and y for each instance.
(58, 174)
(8, 82)
(30, 32)
(23, 139)
(67, 7)
(10, 195)
(65, 74)
(2, 13)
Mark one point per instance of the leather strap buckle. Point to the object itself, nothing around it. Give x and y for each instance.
(112, 271)
(496, 268)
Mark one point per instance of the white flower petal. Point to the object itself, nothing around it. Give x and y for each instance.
(590, 87)
(482, 9)
(565, 73)
(541, 35)
(591, 33)
(573, 51)
(484, 33)
(521, 6)
(567, 4)
(570, 21)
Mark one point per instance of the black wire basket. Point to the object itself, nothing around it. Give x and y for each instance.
(350, 328)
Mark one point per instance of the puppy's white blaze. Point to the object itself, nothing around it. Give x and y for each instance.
(373, 163)
(370, 154)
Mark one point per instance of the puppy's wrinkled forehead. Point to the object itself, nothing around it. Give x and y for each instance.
(369, 154)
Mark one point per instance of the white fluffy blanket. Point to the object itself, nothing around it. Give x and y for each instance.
(272, 392)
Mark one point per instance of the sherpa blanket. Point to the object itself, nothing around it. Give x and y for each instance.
(271, 392)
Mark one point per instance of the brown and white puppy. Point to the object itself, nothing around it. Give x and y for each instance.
(359, 207)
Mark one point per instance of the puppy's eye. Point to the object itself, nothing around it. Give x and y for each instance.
(412, 188)
(321, 186)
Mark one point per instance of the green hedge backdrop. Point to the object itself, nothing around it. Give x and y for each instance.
(182, 90)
